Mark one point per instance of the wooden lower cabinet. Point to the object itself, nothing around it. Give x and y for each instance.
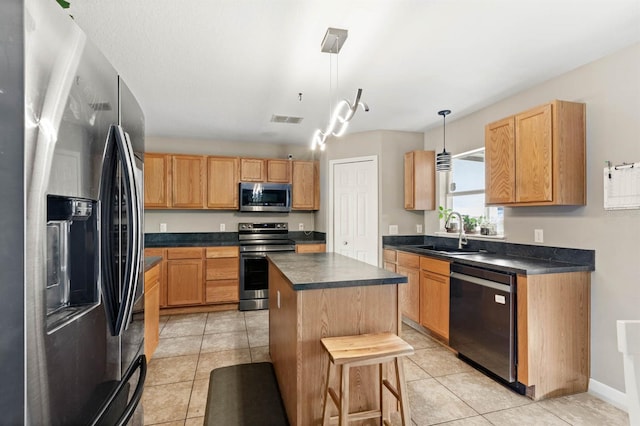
(409, 293)
(311, 248)
(184, 282)
(151, 310)
(553, 316)
(160, 252)
(434, 295)
(222, 275)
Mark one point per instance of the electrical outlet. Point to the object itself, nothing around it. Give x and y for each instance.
(419, 228)
(223, 227)
(301, 227)
(538, 236)
(393, 229)
(163, 227)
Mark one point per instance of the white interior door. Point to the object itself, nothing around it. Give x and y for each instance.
(355, 209)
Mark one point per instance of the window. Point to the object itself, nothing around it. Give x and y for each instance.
(464, 190)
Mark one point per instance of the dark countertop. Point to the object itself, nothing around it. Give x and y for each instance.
(311, 271)
(151, 261)
(521, 259)
(218, 239)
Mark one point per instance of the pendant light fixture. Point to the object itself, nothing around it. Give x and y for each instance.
(344, 111)
(443, 159)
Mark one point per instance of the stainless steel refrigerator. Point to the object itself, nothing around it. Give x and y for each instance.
(71, 245)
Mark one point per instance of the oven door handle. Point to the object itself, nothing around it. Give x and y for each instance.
(253, 255)
(482, 282)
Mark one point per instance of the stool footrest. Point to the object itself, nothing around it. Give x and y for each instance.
(361, 415)
(334, 396)
(391, 388)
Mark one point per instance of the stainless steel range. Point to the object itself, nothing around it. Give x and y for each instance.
(256, 240)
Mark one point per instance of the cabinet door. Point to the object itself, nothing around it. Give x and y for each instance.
(253, 170)
(500, 166)
(410, 293)
(188, 181)
(279, 171)
(223, 175)
(419, 180)
(157, 177)
(533, 151)
(184, 282)
(434, 309)
(305, 186)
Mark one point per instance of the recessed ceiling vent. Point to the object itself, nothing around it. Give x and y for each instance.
(101, 106)
(285, 119)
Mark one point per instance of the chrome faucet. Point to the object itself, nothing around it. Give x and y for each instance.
(462, 237)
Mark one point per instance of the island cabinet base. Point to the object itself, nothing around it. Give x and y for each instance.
(297, 322)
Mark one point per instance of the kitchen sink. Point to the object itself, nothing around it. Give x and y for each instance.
(448, 250)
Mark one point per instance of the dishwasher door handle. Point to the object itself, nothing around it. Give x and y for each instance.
(481, 281)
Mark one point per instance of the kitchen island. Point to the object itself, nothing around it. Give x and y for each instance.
(318, 295)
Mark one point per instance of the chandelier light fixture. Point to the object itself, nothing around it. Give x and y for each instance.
(344, 111)
(443, 159)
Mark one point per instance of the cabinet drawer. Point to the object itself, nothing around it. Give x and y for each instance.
(408, 260)
(390, 256)
(221, 291)
(222, 269)
(390, 266)
(434, 265)
(311, 248)
(184, 253)
(216, 252)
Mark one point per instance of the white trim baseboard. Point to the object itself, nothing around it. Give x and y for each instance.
(608, 394)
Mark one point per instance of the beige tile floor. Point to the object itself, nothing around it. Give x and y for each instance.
(443, 390)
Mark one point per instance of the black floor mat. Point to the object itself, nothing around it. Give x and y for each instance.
(245, 394)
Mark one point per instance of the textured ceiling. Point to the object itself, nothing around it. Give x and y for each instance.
(219, 69)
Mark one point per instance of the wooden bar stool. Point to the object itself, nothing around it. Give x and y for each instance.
(366, 349)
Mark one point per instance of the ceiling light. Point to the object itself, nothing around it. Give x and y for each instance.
(443, 159)
(339, 119)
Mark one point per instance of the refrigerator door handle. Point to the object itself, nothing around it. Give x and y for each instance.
(118, 297)
(139, 363)
(134, 249)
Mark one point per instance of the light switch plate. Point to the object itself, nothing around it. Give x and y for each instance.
(163, 227)
(419, 228)
(223, 227)
(393, 229)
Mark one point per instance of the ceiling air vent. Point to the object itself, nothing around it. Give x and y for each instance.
(285, 119)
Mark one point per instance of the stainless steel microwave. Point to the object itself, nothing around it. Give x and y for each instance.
(265, 197)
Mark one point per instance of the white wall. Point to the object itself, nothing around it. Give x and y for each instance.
(611, 90)
(210, 220)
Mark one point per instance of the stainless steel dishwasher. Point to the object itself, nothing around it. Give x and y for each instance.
(482, 326)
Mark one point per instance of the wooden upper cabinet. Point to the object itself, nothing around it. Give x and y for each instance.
(279, 171)
(223, 176)
(189, 177)
(500, 165)
(537, 157)
(419, 180)
(305, 185)
(253, 170)
(157, 175)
